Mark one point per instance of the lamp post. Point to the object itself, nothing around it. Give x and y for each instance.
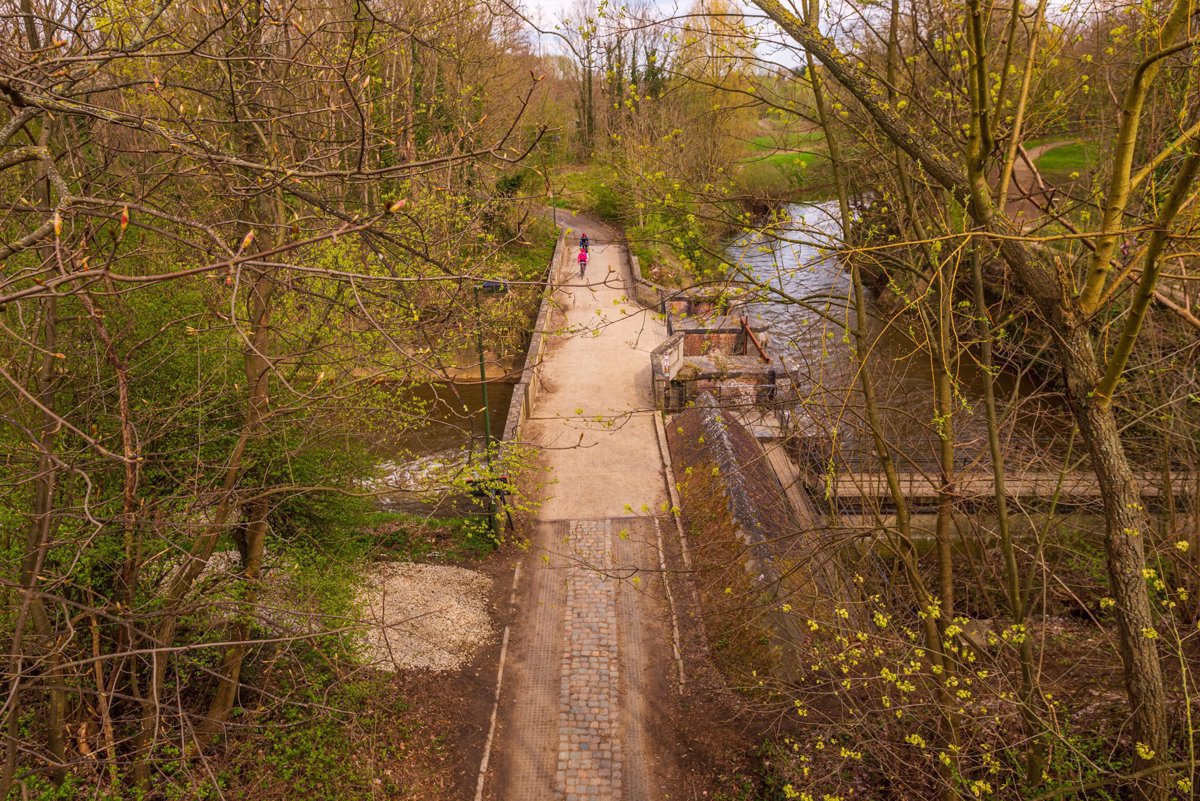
(494, 287)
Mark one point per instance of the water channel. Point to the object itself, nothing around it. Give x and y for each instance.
(798, 285)
(421, 462)
(802, 290)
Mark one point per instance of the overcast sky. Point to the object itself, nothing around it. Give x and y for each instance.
(547, 13)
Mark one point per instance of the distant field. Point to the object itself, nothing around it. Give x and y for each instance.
(1062, 161)
(782, 163)
(786, 140)
(780, 175)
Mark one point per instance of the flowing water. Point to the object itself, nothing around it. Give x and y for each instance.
(802, 290)
(422, 463)
(798, 285)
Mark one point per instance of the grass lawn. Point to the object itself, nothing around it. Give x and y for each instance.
(779, 175)
(786, 140)
(1065, 160)
(797, 160)
(782, 163)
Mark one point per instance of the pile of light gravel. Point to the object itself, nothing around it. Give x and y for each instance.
(424, 616)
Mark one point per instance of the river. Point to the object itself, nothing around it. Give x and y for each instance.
(421, 461)
(798, 285)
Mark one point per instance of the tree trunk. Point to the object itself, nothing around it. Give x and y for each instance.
(1045, 282)
(229, 674)
(1126, 526)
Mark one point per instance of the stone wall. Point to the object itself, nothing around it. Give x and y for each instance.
(703, 343)
(527, 388)
(757, 562)
(665, 361)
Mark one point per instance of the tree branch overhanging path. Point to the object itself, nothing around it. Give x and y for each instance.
(168, 392)
(247, 322)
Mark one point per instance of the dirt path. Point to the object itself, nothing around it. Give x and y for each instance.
(1028, 194)
(590, 662)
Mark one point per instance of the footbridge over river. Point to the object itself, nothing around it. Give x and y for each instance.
(591, 662)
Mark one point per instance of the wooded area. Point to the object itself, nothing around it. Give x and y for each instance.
(242, 246)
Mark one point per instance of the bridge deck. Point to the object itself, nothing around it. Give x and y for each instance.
(977, 485)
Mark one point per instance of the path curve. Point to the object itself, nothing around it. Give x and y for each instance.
(1028, 194)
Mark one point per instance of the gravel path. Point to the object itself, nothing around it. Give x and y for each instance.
(594, 421)
(1026, 196)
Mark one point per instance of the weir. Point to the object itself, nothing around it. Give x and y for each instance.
(857, 489)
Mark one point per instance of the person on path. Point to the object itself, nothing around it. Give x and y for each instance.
(583, 242)
(583, 260)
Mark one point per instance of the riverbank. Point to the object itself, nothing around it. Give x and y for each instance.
(678, 232)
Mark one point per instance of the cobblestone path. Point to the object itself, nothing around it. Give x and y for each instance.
(589, 751)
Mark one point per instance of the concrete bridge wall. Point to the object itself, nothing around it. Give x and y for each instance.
(526, 390)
